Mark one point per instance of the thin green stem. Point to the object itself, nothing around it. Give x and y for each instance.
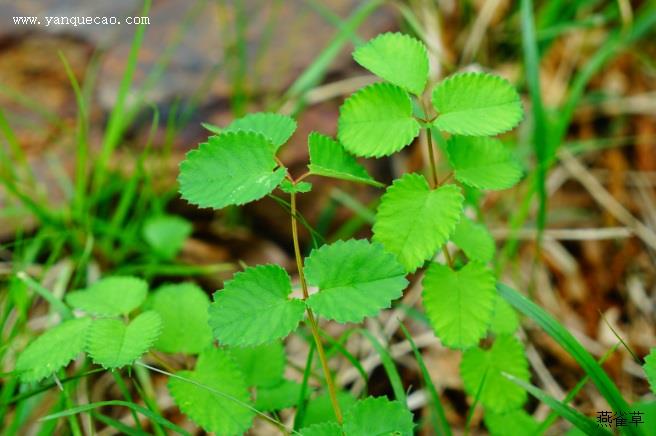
(431, 156)
(311, 320)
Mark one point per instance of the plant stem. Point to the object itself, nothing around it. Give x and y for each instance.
(311, 320)
(431, 155)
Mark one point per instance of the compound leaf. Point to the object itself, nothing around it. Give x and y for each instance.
(474, 239)
(377, 121)
(277, 128)
(262, 365)
(113, 344)
(233, 168)
(356, 278)
(484, 163)
(52, 350)
(111, 296)
(378, 416)
(183, 309)
(459, 304)
(400, 59)
(253, 308)
(324, 429)
(414, 221)
(650, 369)
(476, 104)
(214, 395)
(498, 394)
(166, 234)
(329, 159)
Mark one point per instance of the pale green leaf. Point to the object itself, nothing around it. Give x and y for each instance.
(650, 369)
(183, 309)
(253, 308)
(459, 304)
(378, 416)
(262, 365)
(284, 394)
(498, 394)
(110, 296)
(300, 187)
(504, 319)
(166, 234)
(52, 351)
(329, 159)
(113, 344)
(400, 59)
(377, 121)
(474, 239)
(214, 395)
(356, 279)
(320, 409)
(324, 429)
(514, 423)
(476, 104)
(484, 163)
(277, 128)
(233, 168)
(414, 221)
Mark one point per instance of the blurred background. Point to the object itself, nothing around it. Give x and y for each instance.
(94, 120)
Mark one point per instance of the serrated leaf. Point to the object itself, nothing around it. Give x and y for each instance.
(378, 416)
(183, 310)
(399, 59)
(329, 159)
(299, 187)
(262, 365)
(253, 308)
(113, 344)
(474, 239)
(356, 278)
(476, 104)
(233, 168)
(216, 397)
(320, 410)
(513, 423)
(324, 429)
(484, 163)
(504, 318)
(650, 369)
(52, 351)
(498, 394)
(277, 128)
(459, 304)
(377, 121)
(284, 394)
(414, 221)
(110, 296)
(166, 234)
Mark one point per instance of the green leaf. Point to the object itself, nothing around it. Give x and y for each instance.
(377, 121)
(52, 351)
(459, 303)
(513, 423)
(325, 429)
(253, 308)
(111, 296)
(299, 187)
(356, 279)
(234, 168)
(498, 394)
(378, 416)
(484, 163)
(320, 409)
(262, 365)
(414, 221)
(166, 234)
(504, 319)
(329, 159)
(277, 128)
(474, 239)
(476, 104)
(214, 395)
(650, 369)
(399, 59)
(183, 309)
(284, 394)
(113, 344)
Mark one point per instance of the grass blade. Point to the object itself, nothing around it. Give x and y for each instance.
(388, 364)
